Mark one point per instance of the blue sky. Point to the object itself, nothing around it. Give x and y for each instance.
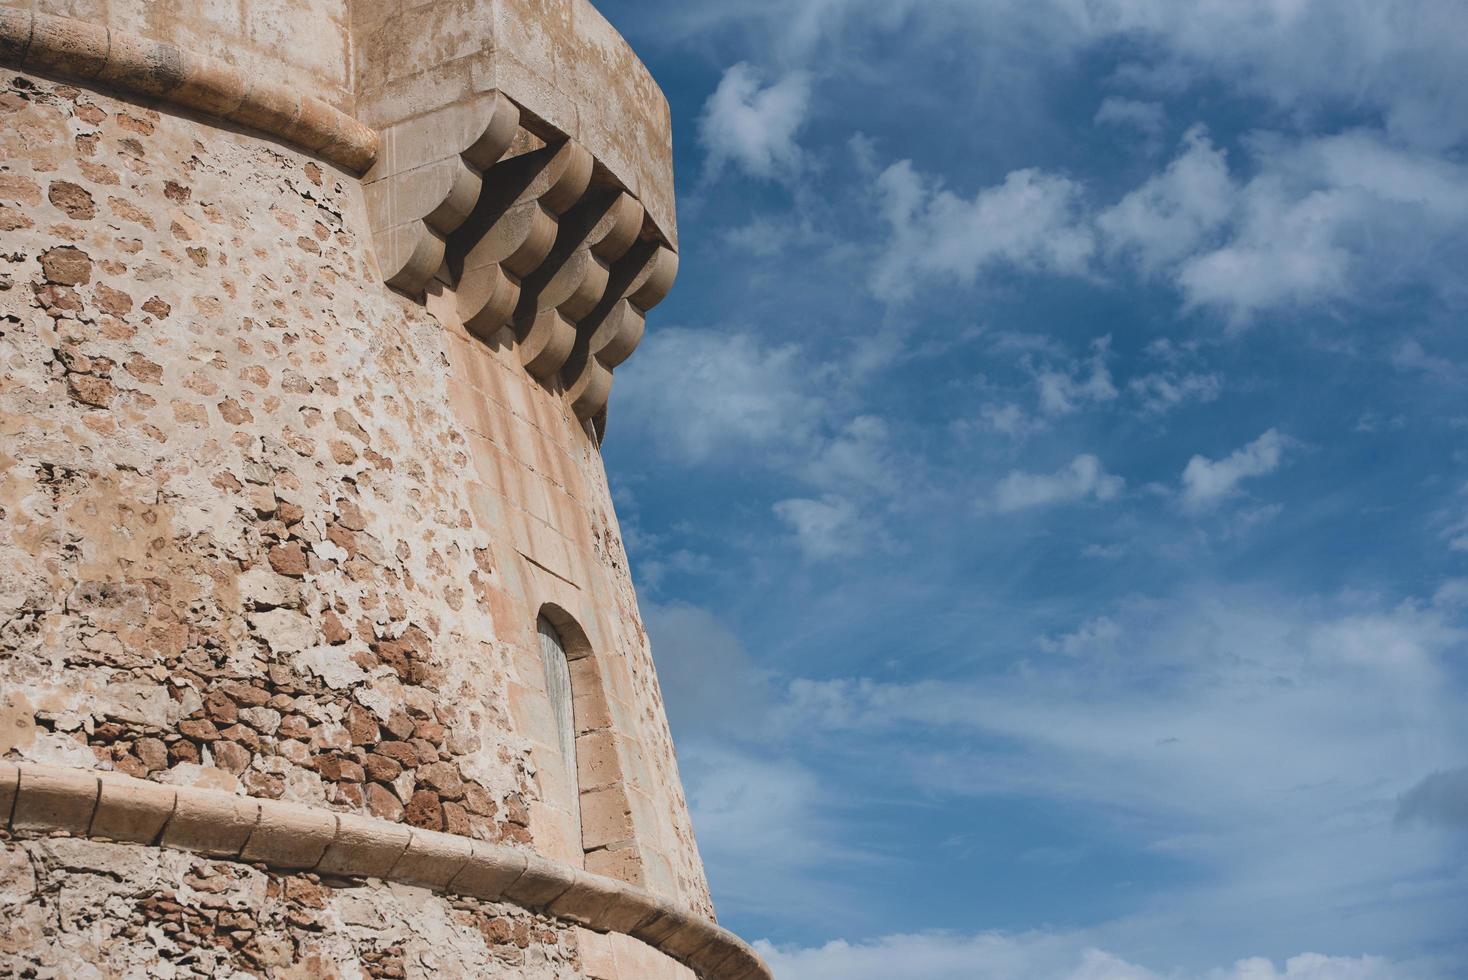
(1047, 489)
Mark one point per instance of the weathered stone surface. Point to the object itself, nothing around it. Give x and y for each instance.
(225, 919)
(289, 835)
(305, 525)
(132, 810)
(432, 859)
(52, 798)
(210, 823)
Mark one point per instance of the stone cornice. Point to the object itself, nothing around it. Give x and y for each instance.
(63, 47)
(527, 235)
(38, 799)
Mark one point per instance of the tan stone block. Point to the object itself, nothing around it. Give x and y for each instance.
(9, 778)
(542, 883)
(598, 760)
(693, 936)
(210, 822)
(290, 835)
(133, 810)
(210, 86)
(597, 959)
(268, 107)
(491, 869)
(601, 904)
(52, 798)
(623, 862)
(606, 818)
(665, 920)
(432, 859)
(364, 848)
(744, 964)
(142, 65)
(62, 45)
(15, 35)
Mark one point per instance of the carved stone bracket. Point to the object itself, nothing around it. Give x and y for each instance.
(528, 233)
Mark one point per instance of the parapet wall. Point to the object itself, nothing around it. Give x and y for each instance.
(278, 529)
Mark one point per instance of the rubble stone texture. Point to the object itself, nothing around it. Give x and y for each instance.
(272, 528)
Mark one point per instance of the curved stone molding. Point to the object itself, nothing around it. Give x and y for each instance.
(64, 47)
(39, 799)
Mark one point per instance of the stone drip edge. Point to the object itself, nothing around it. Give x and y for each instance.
(67, 48)
(41, 799)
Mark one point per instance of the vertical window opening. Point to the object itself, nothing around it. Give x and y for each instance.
(558, 688)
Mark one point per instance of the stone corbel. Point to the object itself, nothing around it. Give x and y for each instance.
(527, 232)
(428, 179)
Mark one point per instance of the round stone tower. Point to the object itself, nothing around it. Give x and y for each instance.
(319, 656)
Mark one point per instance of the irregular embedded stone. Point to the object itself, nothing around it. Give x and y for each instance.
(262, 588)
(332, 665)
(424, 810)
(67, 265)
(17, 723)
(285, 631)
(443, 778)
(231, 757)
(289, 559)
(73, 200)
(382, 803)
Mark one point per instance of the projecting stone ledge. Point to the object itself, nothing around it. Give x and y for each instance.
(39, 800)
(526, 169)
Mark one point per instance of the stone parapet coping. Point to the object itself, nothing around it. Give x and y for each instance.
(44, 799)
(64, 47)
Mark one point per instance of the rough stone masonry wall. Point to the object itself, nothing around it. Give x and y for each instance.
(238, 540)
(82, 909)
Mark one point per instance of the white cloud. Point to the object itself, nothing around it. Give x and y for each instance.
(1096, 635)
(1032, 222)
(754, 126)
(1167, 218)
(1264, 744)
(1410, 356)
(1039, 956)
(1207, 482)
(858, 457)
(1084, 477)
(702, 393)
(831, 527)
(1147, 117)
(1163, 391)
(1317, 215)
(1402, 61)
(1063, 392)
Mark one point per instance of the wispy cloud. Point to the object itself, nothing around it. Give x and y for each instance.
(753, 126)
(1207, 482)
(1084, 478)
(1032, 222)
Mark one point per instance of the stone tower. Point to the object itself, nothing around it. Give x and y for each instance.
(319, 656)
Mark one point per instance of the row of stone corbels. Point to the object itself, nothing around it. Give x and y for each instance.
(38, 799)
(527, 239)
(79, 50)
